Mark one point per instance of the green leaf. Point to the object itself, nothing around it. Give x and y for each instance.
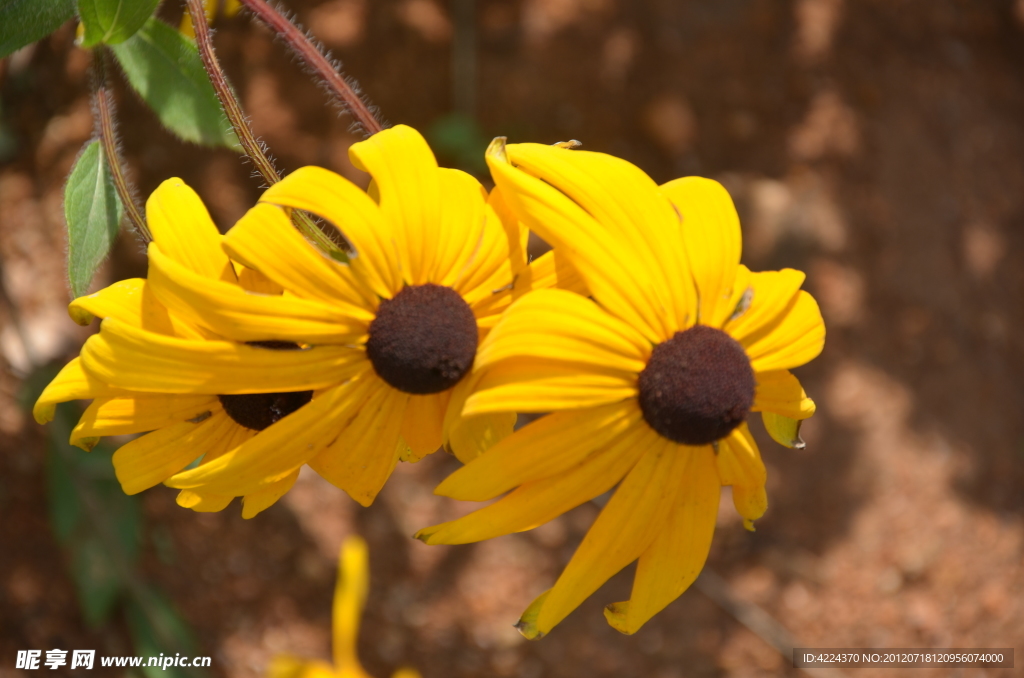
(96, 580)
(165, 69)
(93, 212)
(113, 21)
(157, 629)
(25, 21)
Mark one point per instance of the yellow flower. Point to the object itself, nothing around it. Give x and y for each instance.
(349, 600)
(204, 420)
(388, 337)
(649, 382)
(214, 9)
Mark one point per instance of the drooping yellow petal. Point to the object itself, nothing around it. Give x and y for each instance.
(236, 314)
(352, 212)
(780, 392)
(739, 460)
(350, 591)
(405, 172)
(614, 275)
(796, 339)
(629, 206)
(535, 503)
(537, 385)
(366, 451)
(771, 294)
(287, 666)
(563, 326)
(551, 445)
(265, 240)
(183, 229)
(711, 237)
(423, 421)
(677, 555)
(129, 358)
(265, 497)
(139, 412)
(627, 525)
(155, 457)
(203, 502)
(278, 450)
(133, 302)
(71, 383)
(783, 430)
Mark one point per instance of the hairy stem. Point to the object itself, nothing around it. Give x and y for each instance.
(108, 140)
(250, 144)
(310, 55)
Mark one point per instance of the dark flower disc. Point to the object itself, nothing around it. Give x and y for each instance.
(257, 411)
(697, 387)
(423, 340)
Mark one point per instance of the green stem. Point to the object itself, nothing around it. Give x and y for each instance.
(108, 140)
(250, 144)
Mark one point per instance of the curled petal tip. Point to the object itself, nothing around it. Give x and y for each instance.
(571, 144)
(616, 615)
(748, 525)
(496, 149)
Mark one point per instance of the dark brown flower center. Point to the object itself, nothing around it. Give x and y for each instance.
(423, 340)
(257, 411)
(697, 387)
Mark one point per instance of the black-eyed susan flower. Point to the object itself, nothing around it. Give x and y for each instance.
(649, 381)
(397, 328)
(203, 415)
(349, 600)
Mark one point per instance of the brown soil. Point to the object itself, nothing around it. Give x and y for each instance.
(875, 144)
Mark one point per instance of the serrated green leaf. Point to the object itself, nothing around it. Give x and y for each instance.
(113, 21)
(93, 212)
(165, 69)
(25, 21)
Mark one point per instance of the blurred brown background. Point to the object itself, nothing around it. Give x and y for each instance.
(876, 144)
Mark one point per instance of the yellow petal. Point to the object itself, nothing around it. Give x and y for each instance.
(551, 269)
(405, 172)
(129, 358)
(265, 497)
(155, 457)
(535, 503)
(265, 240)
(631, 208)
(354, 213)
(780, 392)
(677, 555)
(462, 222)
(750, 502)
(367, 449)
(563, 326)
(535, 385)
(253, 281)
(236, 314)
(469, 437)
(771, 294)
(711, 236)
(350, 591)
(203, 502)
(136, 413)
(548, 446)
(613, 274)
(422, 423)
(627, 525)
(133, 302)
(287, 666)
(488, 271)
(783, 430)
(739, 460)
(71, 383)
(796, 339)
(527, 623)
(183, 229)
(278, 450)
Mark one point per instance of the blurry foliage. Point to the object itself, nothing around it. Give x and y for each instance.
(113, 21)
(24, 21)
(460, 138)
(102, 530)
(93, 213)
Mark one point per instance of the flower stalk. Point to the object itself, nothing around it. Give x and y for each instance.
(316, 61)
(108, 140)
(252, 146)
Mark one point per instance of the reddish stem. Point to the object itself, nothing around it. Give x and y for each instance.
(304, 48)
